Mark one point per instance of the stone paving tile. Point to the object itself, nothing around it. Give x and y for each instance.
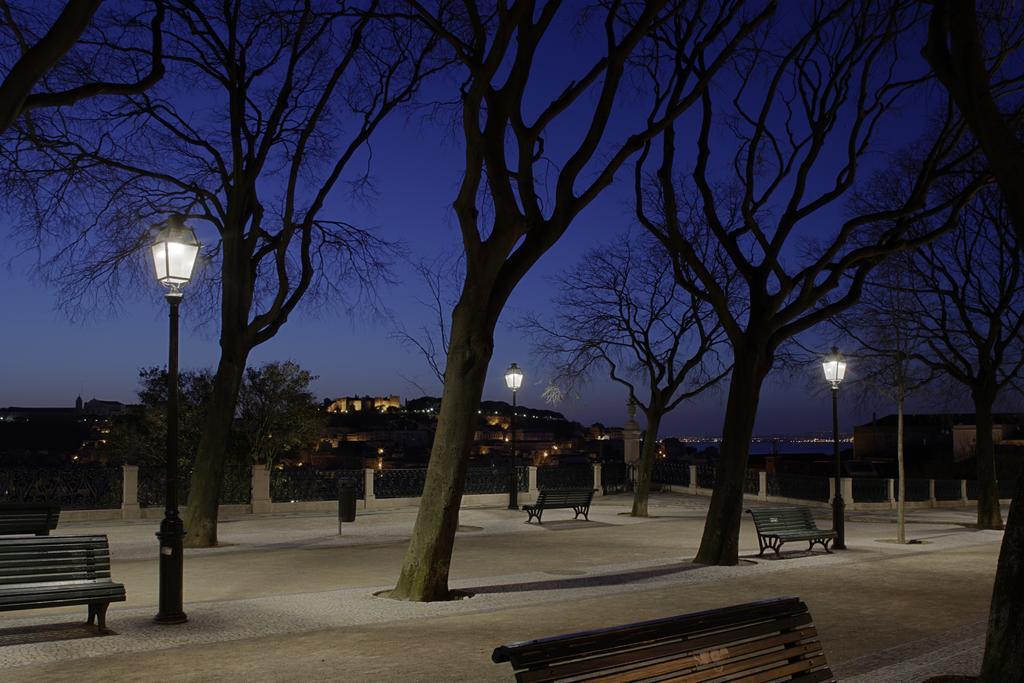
(957, 657)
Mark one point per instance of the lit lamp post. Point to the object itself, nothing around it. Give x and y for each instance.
(514, 380)
(174, 257)
(834, 366)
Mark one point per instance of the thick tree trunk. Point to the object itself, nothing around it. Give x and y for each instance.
(645, 467)
(424, 575)
(1004, 644)
(720, 541)
(208, 469)
(901, 501)
(989, 516)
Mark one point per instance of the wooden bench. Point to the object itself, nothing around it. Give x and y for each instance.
(28, 518)
(776, 526)
(548, 499)
(56, 571)
(772, 640)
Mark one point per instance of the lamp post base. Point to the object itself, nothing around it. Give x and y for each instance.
(171, 536)
(839, 522)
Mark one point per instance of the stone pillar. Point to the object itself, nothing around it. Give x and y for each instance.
(891, 485)
(261, 502)
(130, 492)
(762, 486)
(847, 484)
(369, 499)
(693, 479)
(598, 491)
(631, 437)
(531, 479)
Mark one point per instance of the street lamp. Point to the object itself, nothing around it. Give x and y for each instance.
(834, 366)
(174, 257)
(514, 380)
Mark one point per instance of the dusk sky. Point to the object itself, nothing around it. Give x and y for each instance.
(47, 359)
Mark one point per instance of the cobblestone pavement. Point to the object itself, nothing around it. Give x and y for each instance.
(283, 587)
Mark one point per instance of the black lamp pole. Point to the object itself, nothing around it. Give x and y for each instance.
(513, 480)
(838, 506)
(172, 531)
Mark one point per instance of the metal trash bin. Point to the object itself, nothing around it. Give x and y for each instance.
(346, 500)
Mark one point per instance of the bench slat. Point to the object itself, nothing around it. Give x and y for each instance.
(525, 653)
(763, 641)
(56, 571)
(682, 647)
(28, 518)
(721, 656)
(782, 656)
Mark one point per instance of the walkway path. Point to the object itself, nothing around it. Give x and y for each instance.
(286, 598)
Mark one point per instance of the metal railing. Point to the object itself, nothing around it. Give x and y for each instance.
(87, 487)
(404, 483)
(871, 490)
(614, 477)
(947, 489)
(236, 489)
(752, 482)
(706, 476)
(918, 490)
(798, 487)
(565, 477)
(671, 473)
(494, 480)
(308, 483)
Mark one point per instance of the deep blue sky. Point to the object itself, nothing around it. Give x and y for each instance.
(47, 360)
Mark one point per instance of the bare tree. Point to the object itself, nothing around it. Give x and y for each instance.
(794, 129)
(291, 93)
(55, 61)
(968, 295)
(441, 277)
(620, 311)
(883, 327)
(972, 67)
(524, 183)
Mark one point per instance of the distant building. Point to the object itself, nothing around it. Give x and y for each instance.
(935, 437)
(356, 404)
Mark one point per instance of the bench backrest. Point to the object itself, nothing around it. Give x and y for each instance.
(564, 496)
(28, 518)
(774, 520)
(772, 638)
(50, 559)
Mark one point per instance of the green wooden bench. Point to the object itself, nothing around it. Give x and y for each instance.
(549, 499)
(771, 640)
(56, 571)
(776, 526)
(28, 518)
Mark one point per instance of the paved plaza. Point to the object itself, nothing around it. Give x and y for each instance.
(286, 598)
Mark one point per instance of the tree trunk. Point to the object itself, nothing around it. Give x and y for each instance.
(424, 575)
(901, 504)
(645, 467)
(208, 469)
(720, 542)
(1004, 644)
(989, 516)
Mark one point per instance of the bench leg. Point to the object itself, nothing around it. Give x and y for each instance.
(98, 612)
(825, 545)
